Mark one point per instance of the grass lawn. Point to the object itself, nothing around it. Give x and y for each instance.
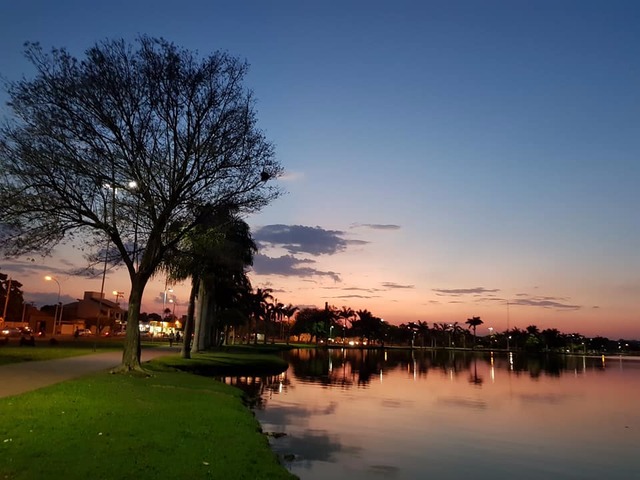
(172, 424)
(227, 361)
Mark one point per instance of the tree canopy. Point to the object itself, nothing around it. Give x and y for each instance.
(124, 150)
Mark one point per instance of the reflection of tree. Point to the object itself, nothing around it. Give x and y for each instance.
(310, 446)
(348, 368)
(474, 377)
(258, 389)
(317, 445)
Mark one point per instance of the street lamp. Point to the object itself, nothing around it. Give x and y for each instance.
(118, 295)
(55, 316)
(133, 187)
(173, 312)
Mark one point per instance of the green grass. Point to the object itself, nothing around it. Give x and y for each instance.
(169, 425)
(226, 362)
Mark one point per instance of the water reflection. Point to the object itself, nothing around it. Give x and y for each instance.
(346, 368)
(407, 414)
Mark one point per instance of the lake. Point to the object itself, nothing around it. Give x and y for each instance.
(366, 414)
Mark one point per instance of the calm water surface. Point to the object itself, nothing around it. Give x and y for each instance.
(371, 414)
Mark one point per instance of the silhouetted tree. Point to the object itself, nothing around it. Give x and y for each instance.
(288, 312)
(128, 147)
(474, 322)
(13, 288)
(311, 321)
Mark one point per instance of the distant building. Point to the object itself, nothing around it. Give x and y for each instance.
(93, 311)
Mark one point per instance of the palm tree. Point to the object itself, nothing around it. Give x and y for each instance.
(474, 322)
(261, 310)
(441, 329)
(459, 332)
(346, 314)
(277, 314)
(423, 331)
(288, 312)
(369, 325)
(216, 252)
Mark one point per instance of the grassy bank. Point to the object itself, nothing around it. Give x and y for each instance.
(169, 425)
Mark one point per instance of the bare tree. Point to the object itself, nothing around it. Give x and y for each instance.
(123, 151)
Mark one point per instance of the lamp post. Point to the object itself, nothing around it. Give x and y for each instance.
(118, 296)
(133, 187)
(6, 301)
(55, 316)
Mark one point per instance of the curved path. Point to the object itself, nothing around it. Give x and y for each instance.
(17, 378)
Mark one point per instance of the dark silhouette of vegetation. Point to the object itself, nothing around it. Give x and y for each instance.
(474, 322)
(15, 304)
(123, 151)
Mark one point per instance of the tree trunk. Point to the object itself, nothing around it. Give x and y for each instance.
(255, 335)
(188, 327)
(200, 320)
(208, 327)
(132, 351)
(267, 321)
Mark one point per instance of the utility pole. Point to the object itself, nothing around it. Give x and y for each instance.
(6, 301)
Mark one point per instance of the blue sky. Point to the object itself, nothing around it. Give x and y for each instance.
(443, 158)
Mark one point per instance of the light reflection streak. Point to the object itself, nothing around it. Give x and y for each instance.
(493, 370)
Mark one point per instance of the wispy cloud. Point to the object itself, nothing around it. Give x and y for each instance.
(397, 285)
(353, 289)
(355, 296)
(288, 265)
(456, 292)
(376, 226)
(297, 239)
(544, 302)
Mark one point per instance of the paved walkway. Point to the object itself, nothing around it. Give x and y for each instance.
(17, 378)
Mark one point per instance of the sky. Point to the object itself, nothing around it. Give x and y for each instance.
(444, 159)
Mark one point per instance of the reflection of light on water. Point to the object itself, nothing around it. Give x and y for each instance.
(385, 356)
(493, 370)
(556, 411)
(330, 364)
(415, 369)
(280, 387)
(603, 365)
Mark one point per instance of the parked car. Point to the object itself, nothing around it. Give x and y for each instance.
(11, 332)
(83, 332)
